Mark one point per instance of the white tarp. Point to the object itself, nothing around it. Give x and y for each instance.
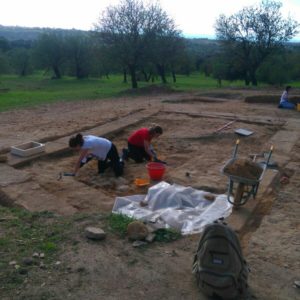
(175, 206)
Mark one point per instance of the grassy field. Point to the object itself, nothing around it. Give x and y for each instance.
(33, 90)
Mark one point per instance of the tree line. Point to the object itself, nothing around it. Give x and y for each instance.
(143, 43)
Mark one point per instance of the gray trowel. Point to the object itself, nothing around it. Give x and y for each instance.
(61, 174)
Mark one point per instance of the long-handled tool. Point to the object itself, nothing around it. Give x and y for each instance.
(61, 174)
(155, 156)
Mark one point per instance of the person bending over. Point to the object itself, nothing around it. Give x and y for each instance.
(139, 144)
(103, 150)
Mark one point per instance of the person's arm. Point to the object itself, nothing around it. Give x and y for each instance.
(147, 147)
(83, 153)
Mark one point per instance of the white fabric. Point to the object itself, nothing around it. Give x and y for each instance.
(97, 146)
(284, 97)
(179, 207)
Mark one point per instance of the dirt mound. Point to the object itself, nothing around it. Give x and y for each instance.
(244, 168)
(150, 90)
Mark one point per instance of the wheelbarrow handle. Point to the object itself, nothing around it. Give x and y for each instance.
(269, 156)
(235, 148)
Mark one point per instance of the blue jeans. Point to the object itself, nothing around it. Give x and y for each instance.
(287, 105)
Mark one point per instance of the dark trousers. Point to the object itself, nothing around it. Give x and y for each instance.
(138, 154)
(112, 160)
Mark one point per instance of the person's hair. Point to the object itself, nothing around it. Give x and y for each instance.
(155, 129)
(76, 141)
(288, 87)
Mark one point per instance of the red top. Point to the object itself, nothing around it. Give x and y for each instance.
(139, 136)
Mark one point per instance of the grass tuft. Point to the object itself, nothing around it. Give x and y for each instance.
(118, 223)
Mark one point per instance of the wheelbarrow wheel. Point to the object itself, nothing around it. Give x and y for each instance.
(239, 195)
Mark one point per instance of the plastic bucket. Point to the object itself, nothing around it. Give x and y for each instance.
(156, 170)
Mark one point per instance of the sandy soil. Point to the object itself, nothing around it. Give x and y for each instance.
(113, 269)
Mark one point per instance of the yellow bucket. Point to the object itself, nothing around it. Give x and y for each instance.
(298, 106)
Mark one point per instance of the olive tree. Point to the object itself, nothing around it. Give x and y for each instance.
(133, 31)
(253, 34)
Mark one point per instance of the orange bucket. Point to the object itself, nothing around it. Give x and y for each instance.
(156, 170)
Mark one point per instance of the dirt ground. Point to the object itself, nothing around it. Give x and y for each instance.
(113, 269)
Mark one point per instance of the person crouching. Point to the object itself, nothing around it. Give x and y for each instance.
(102, 149)
(139, 144)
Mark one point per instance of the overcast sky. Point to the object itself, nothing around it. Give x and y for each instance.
(193, 17)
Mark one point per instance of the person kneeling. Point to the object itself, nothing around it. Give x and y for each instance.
(105, 151)
(139, 144)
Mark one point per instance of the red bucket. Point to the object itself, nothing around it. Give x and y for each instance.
(156, 170)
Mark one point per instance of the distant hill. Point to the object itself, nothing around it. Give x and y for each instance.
(14, 33)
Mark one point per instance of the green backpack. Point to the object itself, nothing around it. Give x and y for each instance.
(219, 266)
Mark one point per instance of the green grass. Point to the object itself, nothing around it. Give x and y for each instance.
(167, 235)
(118, 223)
(23, 233)
(17, 92)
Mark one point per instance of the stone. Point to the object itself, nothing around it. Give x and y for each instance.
(27, 261)
(12, 263)
(137, 231)
(43, 266)
(123, 188)
(94, 233)
(42, 255)
(137, 244)
(35, 254)
(150, 237)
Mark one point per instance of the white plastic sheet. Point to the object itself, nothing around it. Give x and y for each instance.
(173, 206)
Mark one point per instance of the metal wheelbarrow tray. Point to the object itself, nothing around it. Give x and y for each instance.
(246, 187)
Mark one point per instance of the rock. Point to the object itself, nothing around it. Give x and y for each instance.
(123, 188)
(297, 284)
(27, 261)
(137, 231)
(43, 266)
(94, 233)
(209, 197)
(42, 255)
(137, 244)
(12, 263)
(150, 237)
(35, 254)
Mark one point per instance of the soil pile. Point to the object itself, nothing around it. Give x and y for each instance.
(244, 168)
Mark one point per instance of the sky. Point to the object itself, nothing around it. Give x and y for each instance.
(193, 17)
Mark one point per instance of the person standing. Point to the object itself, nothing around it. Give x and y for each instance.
(102, 149)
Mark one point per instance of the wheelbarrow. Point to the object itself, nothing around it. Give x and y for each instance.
(245, 187)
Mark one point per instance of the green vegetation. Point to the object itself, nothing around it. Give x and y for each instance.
(118, 223)
(22, 234)
(167, 235)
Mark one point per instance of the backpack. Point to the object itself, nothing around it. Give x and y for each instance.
(219, 266)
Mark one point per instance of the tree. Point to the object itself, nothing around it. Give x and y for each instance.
(50, 52)
(255, 33)
(20, 60)
(79, 55)
(128, 30)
